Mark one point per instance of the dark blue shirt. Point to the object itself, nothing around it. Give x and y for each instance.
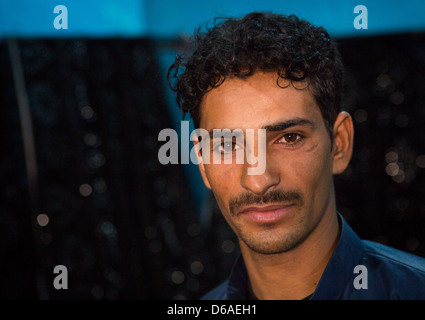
(391, 273)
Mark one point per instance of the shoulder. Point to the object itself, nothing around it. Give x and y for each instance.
(218, 293)
(394, 257)
(394, 274)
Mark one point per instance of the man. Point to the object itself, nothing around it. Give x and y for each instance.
(283, 75)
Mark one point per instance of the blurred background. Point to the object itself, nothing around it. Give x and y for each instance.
(80, 112)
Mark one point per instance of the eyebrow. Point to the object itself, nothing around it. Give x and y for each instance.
(289, 123)
(280, 126)
(226, 135)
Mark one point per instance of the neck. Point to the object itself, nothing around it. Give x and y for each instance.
(293, 275)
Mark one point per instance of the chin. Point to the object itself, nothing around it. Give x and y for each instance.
(273, 242)
(276, 238)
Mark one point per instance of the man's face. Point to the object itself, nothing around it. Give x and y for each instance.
(277, 210)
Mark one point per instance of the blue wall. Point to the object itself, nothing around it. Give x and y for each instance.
(167, 18)
(97, 18)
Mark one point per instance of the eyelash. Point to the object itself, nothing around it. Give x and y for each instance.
(220, 145)
(300, 138)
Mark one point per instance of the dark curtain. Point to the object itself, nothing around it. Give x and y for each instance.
(382, 193)
(123, 224)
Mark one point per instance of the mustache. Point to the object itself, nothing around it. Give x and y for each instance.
(272, 197)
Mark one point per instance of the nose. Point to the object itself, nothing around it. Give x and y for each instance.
(261, 183)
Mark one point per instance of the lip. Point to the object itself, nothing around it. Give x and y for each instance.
(267, 214)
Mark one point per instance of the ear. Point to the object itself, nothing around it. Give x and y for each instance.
(343, 142)
(201, 164)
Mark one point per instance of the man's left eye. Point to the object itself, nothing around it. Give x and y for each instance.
(291, 138)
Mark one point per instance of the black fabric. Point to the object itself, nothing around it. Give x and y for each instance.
(123, 224)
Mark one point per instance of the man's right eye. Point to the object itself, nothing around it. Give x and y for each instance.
(226, 147)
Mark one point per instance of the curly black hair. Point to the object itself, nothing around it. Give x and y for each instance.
(238, 47)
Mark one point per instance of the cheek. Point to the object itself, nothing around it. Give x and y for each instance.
(223, 178)
(307, 170)
(315, 171)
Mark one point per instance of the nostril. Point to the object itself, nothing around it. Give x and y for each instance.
(259, 184)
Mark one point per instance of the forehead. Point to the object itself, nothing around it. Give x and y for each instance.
(256, 102)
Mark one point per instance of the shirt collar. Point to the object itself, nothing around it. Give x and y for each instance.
(338, 272)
